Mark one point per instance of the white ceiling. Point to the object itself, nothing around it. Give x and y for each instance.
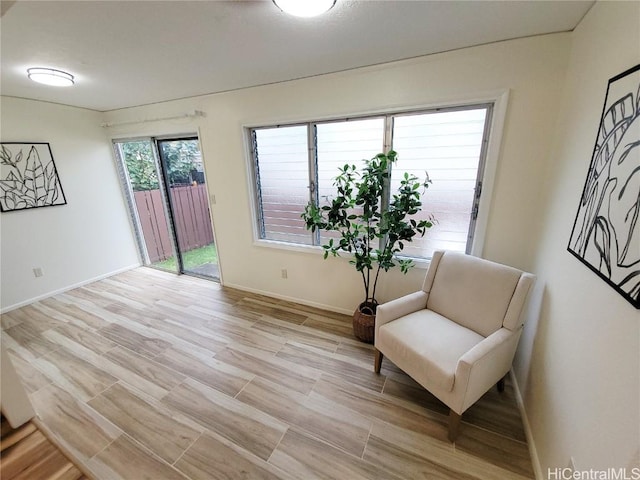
(127, 53)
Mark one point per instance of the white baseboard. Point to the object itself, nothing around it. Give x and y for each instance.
(67, 288)
(533, 452)
(321, 306)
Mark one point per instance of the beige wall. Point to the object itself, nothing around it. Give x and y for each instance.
(582, 392)
(532, 70)
(88, 238)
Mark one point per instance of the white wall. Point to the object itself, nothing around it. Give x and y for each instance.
(582, 392)
(531, 69)
(579, 374)
(89, 237)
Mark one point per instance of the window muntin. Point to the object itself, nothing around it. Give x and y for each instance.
(302, 163)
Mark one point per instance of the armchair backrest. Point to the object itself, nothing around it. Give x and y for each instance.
(478, 294)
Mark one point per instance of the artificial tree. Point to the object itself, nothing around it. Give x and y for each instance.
(373, 234)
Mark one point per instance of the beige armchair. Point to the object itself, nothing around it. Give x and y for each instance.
(457, 336)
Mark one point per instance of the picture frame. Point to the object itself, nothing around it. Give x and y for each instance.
(606, 231)
(28, 177)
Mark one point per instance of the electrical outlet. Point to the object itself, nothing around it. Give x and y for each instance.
(284, 273)
(37, 272)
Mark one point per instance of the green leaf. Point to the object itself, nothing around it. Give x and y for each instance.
(373, 234)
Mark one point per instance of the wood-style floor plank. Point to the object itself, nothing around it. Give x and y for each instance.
(336, 424)
(27, 454)
(79, 428)
(297, 333)
(492, 415)
(209, 371)
(12, 436)
(149, 375)
(324, 361)
(193, 336)
(214, 458)
(242, 424)
(404, 387)
(157, 429)
(496, 448)
(32, 379)
(329, 325)
(74, 374)
(306, 457)
(156, 373)
(390, 458)
(32, 317)
(146, 316)
(30, 340)
(74, 314)
(242, 335)
(389, 443)
(149, 346)
(272, 368)
(125, 374)
(86, 338)
(9, 319)
(272, 399)
(261, 307)
(125, 459)
(377, 405)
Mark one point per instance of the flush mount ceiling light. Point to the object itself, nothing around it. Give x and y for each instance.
(50, 76)
(304, 8)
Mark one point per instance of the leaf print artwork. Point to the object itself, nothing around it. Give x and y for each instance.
(606, 232)
(28, 177)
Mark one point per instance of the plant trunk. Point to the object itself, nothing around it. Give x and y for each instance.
(375, 285)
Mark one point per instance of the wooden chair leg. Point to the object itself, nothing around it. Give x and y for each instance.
(377, 363)
(500, 384)
(454, 425)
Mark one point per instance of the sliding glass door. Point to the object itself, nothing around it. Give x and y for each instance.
(189, 203)
(168, 199)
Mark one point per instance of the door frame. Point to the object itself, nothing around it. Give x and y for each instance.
(164, 187)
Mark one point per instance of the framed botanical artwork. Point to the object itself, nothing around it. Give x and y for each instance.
(28, 177)
(606, 231)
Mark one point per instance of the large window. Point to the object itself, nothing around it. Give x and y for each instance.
(296, 164)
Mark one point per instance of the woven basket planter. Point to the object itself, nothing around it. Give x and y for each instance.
(364, 321)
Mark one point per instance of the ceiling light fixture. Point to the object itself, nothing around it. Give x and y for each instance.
(304, 8)
(50, 76)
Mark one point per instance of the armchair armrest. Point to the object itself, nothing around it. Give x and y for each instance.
(486, 363)
(400, 307)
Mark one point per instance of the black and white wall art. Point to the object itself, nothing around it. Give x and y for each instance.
(28, 177)
(606, 232)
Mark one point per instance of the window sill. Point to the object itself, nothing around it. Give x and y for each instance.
(419, 263)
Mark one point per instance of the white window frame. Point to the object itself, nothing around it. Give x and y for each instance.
(499, 101)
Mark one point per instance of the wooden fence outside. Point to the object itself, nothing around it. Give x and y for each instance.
(192, 218)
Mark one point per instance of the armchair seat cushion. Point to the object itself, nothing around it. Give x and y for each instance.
(427, 346)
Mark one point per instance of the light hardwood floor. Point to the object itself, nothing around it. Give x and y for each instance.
(27, 454)
(147, 375)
